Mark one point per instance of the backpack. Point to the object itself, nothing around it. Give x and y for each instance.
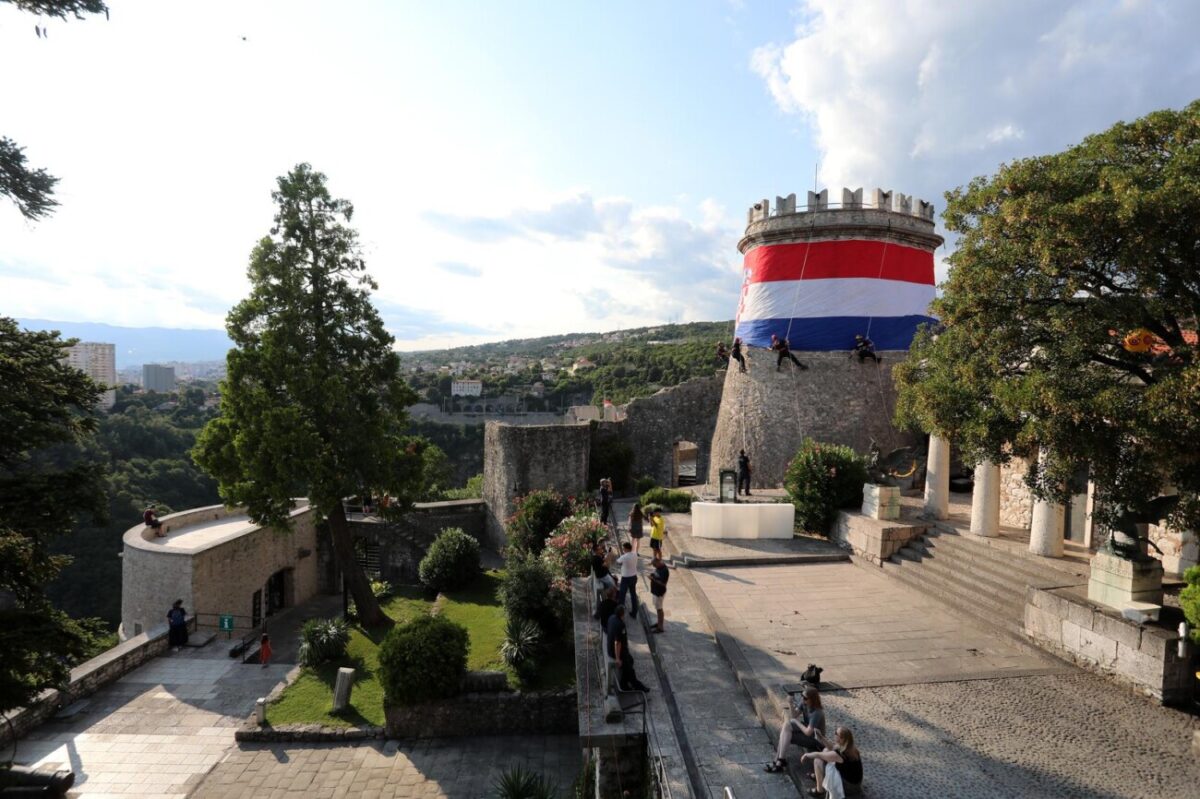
(812, 675)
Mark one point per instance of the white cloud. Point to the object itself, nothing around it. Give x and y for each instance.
(922, 96)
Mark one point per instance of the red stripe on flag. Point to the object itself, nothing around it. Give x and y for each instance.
(845, 258)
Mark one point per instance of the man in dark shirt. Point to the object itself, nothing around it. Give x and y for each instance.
(743, 472)
(600, 566)
(736, 354)
(618, 650)
(782, 347)
(659, 575)
(150, 519)
(865, 348)
(606, 607)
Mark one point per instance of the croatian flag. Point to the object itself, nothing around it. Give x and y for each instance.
(826, 292)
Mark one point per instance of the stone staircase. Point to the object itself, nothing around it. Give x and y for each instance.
(976, 576)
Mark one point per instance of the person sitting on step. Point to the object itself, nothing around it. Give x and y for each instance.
(781, 346)
(865, 348)
(838, 762)
(802, 729)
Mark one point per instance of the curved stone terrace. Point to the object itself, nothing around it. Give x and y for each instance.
(192, 531)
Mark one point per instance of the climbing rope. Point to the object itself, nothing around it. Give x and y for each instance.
(882, 257)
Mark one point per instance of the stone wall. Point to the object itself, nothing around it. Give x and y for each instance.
(768, 413)
(653, 425)
(1100, 639)
(87, 678)
(1179, 549)
(517, 460)
(1016, 500)
(504, 713)
(874, 540)
(403, 542)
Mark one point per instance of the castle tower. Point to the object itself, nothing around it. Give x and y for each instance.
(818, 276)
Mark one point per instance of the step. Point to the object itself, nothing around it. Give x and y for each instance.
(954, 568)
(998, 562)
(998, 617)
(1050, 569)
(967, 589)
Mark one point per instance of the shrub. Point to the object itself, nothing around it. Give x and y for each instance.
(382, 589)
(323, 640)
(472, 490)
(821, 479)
(422, 660)
(568, 551)
(529, 591)
(522, 641)
(536, 516)
(644, 484)
(1189, 600)
(451, 562)
(519, 783)
(668, 499)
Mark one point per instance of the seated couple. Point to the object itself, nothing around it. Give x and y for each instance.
(833, 760)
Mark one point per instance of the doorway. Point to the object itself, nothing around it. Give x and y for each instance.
(686, 458)
(1075, 517)
(277, 591)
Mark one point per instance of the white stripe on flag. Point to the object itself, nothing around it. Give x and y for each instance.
(776, 299)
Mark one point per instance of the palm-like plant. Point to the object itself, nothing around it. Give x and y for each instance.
(521, 783)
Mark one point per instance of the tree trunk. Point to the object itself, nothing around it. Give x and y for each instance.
(369, 612)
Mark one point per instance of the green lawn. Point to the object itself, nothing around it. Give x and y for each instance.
(476, 607)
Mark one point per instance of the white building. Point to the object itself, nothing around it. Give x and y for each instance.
(99, 362)
(158, 378)
(466, 388)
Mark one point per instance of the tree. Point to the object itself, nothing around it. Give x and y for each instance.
(313, 401)
(46, 481)
(33, 189)
(1068, 319)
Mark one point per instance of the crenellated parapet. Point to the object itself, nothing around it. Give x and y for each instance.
(852, 200)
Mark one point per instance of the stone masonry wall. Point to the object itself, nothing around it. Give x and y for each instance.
(517, 460)
(538, 713)
(1016, 500)
(1180, 549)
(653, 425)
(768, 413)
(403, 542)
(226, 576)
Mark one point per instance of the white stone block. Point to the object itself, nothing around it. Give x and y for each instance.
(743, 520)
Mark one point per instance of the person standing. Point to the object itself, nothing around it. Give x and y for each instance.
(177, 634)
(629, 576)
(618, 650)
(781, 346)
(635, 526)
(658, 529)
(743, 472)
(737, 355)
(604, 610)
(605, 500)
(264, 650)
(659, 575)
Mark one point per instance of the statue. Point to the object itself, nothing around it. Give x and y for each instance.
(886, 470)
(1124, 538)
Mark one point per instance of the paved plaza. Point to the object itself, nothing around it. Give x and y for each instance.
(463, 768)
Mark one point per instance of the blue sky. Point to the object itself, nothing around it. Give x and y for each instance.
(527, 168)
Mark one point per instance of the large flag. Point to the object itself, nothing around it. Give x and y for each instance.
(820, 294)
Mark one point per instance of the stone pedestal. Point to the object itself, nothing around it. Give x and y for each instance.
(985, 501)
(341, 688)
(881, 502)
(1117, 582)
(937, 479)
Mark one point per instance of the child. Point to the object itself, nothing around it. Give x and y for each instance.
(264, 650)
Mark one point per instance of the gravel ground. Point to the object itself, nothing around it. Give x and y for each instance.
(1069, 735)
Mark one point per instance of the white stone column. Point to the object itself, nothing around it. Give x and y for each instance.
(985, 500)
(937, 478)
(1046, 529)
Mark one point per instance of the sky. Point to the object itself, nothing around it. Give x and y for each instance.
(527, 168)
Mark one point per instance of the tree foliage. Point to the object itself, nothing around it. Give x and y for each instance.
(61, 8)
(313, 402)
(423, 659)
(46, 481)
(1060, 259)
(821, 480)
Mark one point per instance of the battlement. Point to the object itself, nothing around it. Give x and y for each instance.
(852, 200)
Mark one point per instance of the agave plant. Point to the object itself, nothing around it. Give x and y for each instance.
(521, 783)
(323, 640)
(521, 640)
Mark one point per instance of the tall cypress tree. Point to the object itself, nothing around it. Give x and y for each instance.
(313, 402)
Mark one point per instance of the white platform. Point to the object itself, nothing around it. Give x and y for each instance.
(743, 520)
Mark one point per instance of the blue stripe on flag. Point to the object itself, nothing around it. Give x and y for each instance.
(823, 333)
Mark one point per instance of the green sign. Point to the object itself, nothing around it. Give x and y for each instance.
(226, 622)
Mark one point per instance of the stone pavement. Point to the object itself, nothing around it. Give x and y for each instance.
(862, 627)
(463, 768)
(157, 730)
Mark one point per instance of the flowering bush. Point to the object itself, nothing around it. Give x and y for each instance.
(821, 479)
(536, 516)
(568, 551)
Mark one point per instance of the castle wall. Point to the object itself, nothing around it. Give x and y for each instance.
(1016, 500)
(837, 400)
(653, 425)
(519, 459)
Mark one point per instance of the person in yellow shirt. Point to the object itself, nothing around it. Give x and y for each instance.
(658, 528)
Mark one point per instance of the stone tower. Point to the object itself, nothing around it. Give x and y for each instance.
(818, 276)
